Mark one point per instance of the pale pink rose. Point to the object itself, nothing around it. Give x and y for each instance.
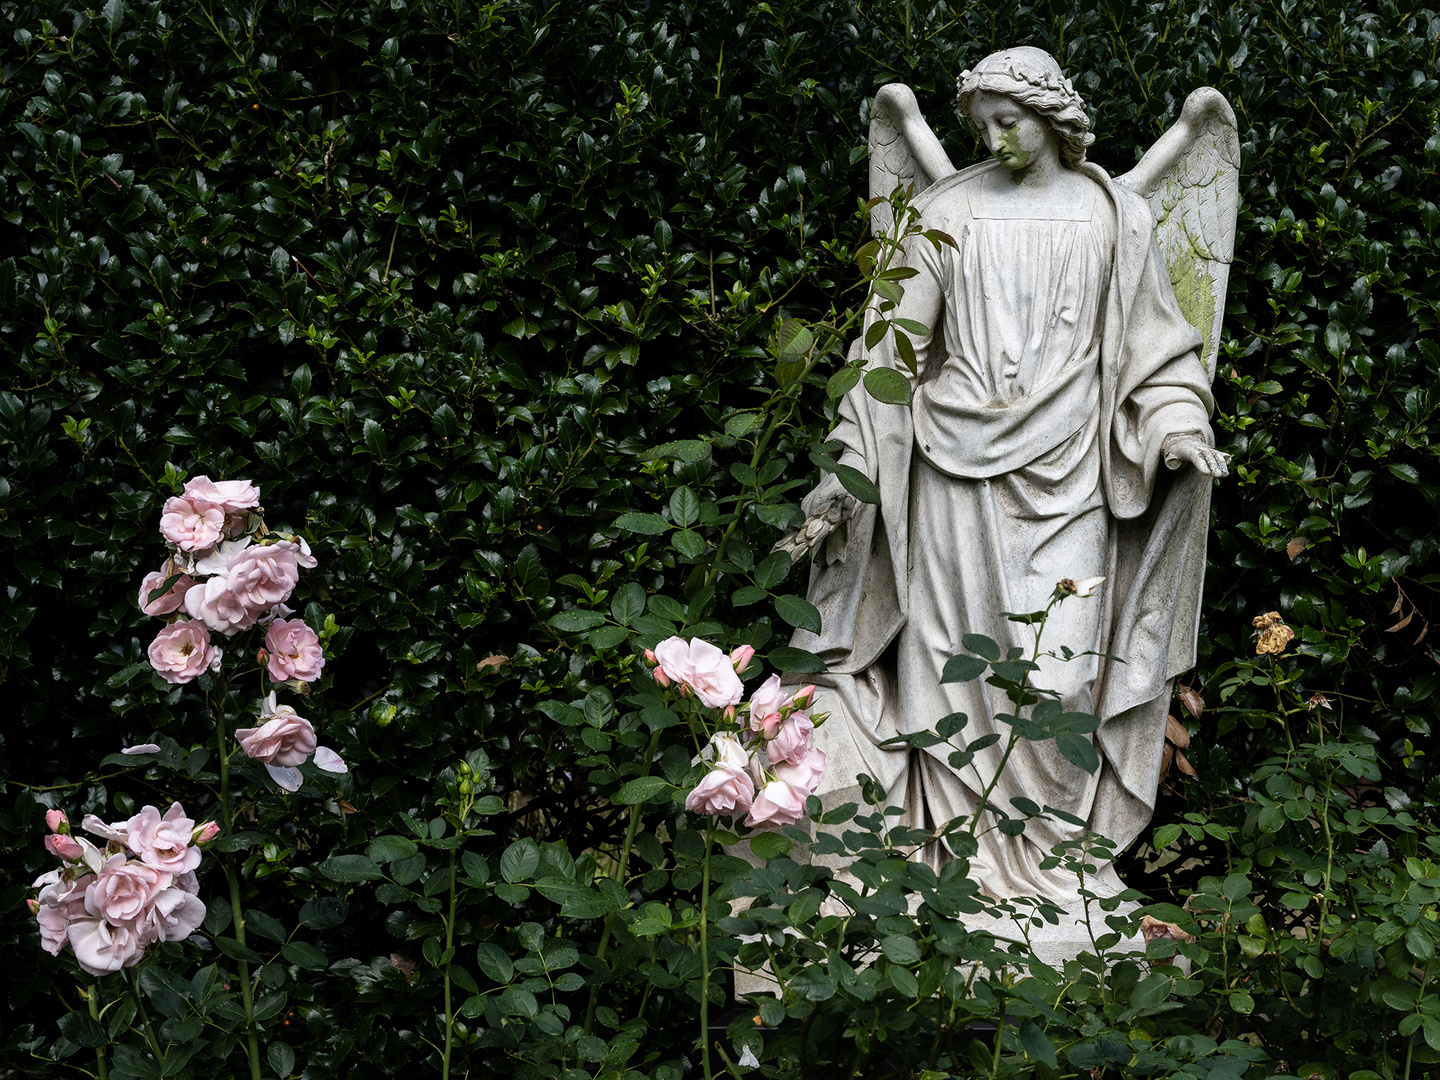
(205, 832)
(54, 819)
(181, 651)
(329, 760)
(58, 905)
(101, 947)
(263, 575)
(168, 601)
(115, 831)
(284, 739)
(804, 775)
(218, 560)
(302, 551)
(123, 889)
(673, 659)
(174, 916)
(163, 843)
(740, 658)
(218, 608)
(722, 791)
(226, 495)
(65, 847)
(765, 705)
(727, 788)
(293, 651)
(792, 740)
(778, 804)
(191, 526)
(703, 668)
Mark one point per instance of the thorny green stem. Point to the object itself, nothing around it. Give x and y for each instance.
(620, 871)
(92, 999)
(449, 947)
(237, 912)
(134, 985)
(705, 957)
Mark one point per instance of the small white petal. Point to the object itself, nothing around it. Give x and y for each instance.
(1087, 586)
(288, 778)
(329, 760)
(142, 748)
(748, 1059)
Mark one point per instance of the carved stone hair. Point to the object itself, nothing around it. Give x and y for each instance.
(1033, 78)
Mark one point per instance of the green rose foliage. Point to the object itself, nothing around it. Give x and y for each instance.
(524, 315)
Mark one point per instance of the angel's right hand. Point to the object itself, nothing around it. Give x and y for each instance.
(826, 508)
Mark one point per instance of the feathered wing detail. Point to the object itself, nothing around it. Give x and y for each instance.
(1191, 179)
(903, 150)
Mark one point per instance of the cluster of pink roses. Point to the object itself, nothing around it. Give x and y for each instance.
(226, 573)
(111, 905)
(765, 769)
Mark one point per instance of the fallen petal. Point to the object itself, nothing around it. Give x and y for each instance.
(141, 748)
(289, 779)
(329, 760)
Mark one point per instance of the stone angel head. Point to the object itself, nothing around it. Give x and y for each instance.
(1032, 79)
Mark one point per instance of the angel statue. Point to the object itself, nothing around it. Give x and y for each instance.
(1058, 429)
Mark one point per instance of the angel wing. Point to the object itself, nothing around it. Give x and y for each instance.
(1191, 179)
(903, 150)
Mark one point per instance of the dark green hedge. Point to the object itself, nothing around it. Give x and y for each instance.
(441, 279)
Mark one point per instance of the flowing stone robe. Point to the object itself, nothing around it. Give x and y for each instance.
(1058, 363)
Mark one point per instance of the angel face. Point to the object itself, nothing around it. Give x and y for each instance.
(1017, 136)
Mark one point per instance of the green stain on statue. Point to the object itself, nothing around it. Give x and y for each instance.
(1195, 293)
(1020, 157)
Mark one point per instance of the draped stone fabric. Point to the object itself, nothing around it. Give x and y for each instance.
(1058, 363)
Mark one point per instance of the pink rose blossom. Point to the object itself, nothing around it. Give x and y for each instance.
(181, 651)
(101, 947)
(293, 651)
(792, 740)
(263, 575)
(218, 608)
(174, 916)
(54, 819)
(163, 843)
(169, 601)
(190, 525)
(60, 903)
(778, 803)
(701, 667)
(804, 775)
(765, 705)
(225, 495)
(123, 889)
(726, 788)
(284, 739)
(115, 831)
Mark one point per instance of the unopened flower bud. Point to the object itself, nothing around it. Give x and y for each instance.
(205, 832)
(740, 658)
(63, 846)
(56, 821)
(33, 905)
(661, 677)
(262, 657)
(804, 697)
(650, 657)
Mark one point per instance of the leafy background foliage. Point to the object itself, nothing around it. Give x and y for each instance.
(481, 297)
